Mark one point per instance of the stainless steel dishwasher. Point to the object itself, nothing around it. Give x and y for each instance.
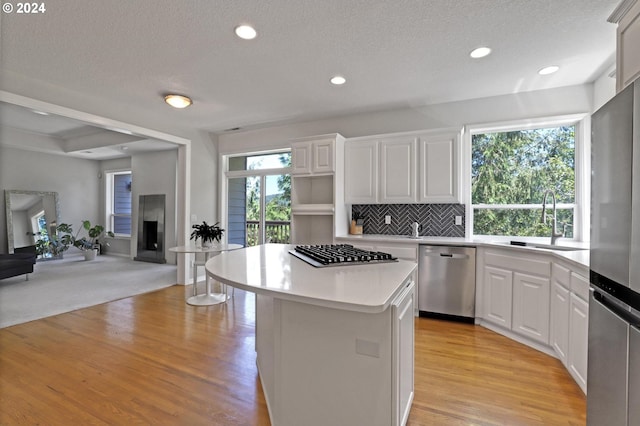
(447, 282)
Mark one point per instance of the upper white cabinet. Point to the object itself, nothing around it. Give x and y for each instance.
(628, 45)
(317, 197)
(439, 168)
(361, 172)
(403, 168)
(397, 180)
(313, 157)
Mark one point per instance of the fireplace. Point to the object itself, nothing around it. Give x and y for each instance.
(150, 235)
(151, 229)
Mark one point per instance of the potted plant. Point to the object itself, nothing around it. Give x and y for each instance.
(207, 233)
(54, 245)
(89, 244)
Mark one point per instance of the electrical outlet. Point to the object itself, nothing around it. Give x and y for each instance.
(387, 220)
(458, 220)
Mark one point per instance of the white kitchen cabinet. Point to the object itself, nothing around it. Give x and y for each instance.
(531, 306)
(559, 329)
(578, 329)
(439, 168)
(628, 47)
(313, 156)
(498, 294)
(549, 307)
(361, 172)
(578, 340)
(559, 321)
(403, 352)
(301, 158)
(317, 198)
(397, 180)
(404, 168)
(515, 292)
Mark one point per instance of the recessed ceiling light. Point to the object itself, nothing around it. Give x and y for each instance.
(338, 80)
(549, 70)
(480, 52)
(246, 32)
(178, 101)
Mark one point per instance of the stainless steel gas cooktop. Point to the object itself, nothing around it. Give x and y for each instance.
(323, 255)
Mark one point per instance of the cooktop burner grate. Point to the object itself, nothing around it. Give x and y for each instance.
(339, 254)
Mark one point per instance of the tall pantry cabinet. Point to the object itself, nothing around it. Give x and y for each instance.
(317, 194)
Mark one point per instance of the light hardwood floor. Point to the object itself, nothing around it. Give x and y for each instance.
(153, 359)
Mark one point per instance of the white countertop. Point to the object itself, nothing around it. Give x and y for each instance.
(579, 257)
(271, 270)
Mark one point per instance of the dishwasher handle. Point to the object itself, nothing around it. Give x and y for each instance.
(447, 255)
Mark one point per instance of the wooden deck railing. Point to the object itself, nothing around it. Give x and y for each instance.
(277, 231)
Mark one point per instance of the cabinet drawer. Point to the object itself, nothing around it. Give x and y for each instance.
(528, 265)
(580, 286)
(561, 275)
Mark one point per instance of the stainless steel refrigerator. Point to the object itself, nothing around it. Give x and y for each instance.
(613, 376)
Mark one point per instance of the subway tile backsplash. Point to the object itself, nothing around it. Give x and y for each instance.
(436, 220)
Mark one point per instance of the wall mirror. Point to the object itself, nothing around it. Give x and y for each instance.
(31, 217)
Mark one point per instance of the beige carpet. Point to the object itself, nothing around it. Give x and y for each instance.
(72, 283)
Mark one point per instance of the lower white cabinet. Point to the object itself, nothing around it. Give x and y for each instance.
(498, 294)
(539, 301)
(403, 348)
(531, 306)
(515, 291)
(559, 336)
(360, 365)
(578, 340)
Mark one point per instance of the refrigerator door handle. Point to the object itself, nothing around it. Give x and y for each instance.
(625, 315)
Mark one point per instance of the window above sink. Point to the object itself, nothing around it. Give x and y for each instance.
(511, 165)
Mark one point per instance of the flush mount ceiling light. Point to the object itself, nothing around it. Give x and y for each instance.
(246, 32)
(338, 80)
(480, 52)
(178, 101)
(548, 70)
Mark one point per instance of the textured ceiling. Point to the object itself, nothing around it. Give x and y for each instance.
(393, 53)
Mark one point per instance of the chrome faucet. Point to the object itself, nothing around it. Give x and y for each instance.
(554, 231)
(415, 230)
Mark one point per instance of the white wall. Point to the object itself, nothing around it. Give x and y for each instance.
(155, 173)
(75, 180)
(604, 88)
(204, 179)
(543, 103)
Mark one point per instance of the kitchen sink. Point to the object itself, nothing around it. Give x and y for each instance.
(540, 246)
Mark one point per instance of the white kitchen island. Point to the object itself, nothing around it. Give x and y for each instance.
(335, 344)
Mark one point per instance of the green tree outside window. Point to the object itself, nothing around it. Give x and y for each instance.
(510, 171)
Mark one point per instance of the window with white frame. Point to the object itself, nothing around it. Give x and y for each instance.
(259, 198)
(118, 202)
(512, 167)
